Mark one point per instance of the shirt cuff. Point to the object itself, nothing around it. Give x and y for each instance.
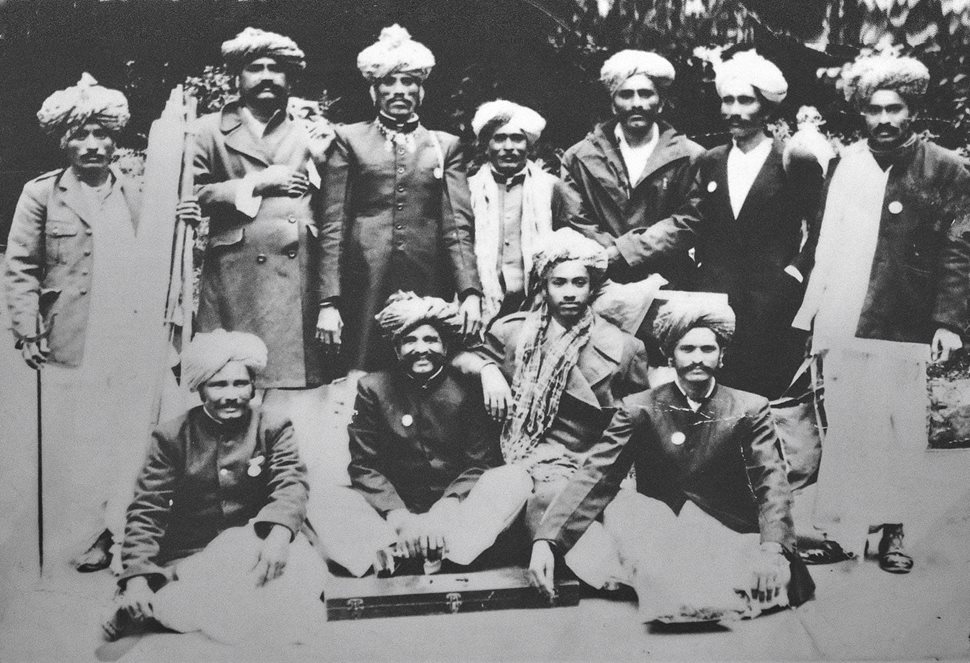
(792, 271)
(246, 201)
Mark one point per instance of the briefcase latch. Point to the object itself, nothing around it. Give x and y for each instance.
(454, 601)
(356, 608)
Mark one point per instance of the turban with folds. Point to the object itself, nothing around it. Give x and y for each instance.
(621, 66)
(395, 52)
(907, 76)
(67, 110)
(208, 353)
(566, 244)
(677, 317)
(503, 113)
(749, 67)
(253, 43)
(405, 310)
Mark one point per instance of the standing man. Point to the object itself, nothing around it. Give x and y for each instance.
(515, 203)
(708, 531)
(397, 193)
(269, 266)
(634, 170)
(889, 291)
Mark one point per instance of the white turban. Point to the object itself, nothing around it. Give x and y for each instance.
(253, 43)
(512, 115)
(885, 71)
(395, 52)
(625, 64)
(67, 110)
(405, 310)
(677, 317)
(749, 67)
(208, 353)
(564, 245)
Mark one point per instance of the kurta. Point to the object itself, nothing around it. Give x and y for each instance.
(614, 207)
(411, 445)
(406, 224)
(268, 274)
(196, 483)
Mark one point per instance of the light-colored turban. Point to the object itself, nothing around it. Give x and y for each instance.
(621, 66)
(758, 72)
(405, 310)
(509, 114)
(208, 353)
(253, 43)
(566, 244)
(885, 71)
(67, 110)
(677, 317)
(395, 52)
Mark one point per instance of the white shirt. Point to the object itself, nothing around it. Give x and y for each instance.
(695, 405)
(635, 158)
(742, 170)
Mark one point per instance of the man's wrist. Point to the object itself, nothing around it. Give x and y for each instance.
(772, 547)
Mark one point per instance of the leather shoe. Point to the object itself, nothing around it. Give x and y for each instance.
(97, 557)
(826, 552)
(891, 556)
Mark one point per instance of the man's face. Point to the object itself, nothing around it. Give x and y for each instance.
(264, 81)
(888, 118)
(697, 356)
(636, 104)
(90, 148)
(568, 291)
(741, 109)
(421, 351)
(398, 95)
(226, 394)
(507, 150)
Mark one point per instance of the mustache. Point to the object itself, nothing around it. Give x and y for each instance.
(634, 111)
(271, 87)
(886, 127)
(703, 367)
(425, 354)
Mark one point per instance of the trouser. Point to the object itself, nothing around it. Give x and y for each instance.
(351, 531)
(214, 591)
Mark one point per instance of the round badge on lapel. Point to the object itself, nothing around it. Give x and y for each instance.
(407, 420)
(255, 466)
(711, 186)
(678, 438)
(895, 207)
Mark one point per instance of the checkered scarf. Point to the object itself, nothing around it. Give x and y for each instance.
(541, 372)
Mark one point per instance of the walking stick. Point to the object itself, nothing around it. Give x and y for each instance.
(40, 474)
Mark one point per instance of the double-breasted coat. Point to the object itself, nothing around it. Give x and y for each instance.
(50, 261)
(613, 206)
(266, 274)
(406, 223)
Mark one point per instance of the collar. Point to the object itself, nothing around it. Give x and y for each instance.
(424, 385)
(213, 425)
(886, 158)
(690, 400)
(403, 127)
(508, 180)
(255, 123)
(646, 147)
(758, 153)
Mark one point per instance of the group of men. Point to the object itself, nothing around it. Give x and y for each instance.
(513, 381)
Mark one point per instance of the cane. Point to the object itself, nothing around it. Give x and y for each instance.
(40, 474)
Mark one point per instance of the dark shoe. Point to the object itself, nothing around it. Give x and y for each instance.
(97, 557)
(826, 552)
(891, 556)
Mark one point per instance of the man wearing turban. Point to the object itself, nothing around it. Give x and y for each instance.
(270, 267)
(213, 537)
(398, 194)
(420, 443)
(748, 235)
(72, 289)
(711, 514)
(889, 292)
(514, 202)
(634, 170)
(568, 368)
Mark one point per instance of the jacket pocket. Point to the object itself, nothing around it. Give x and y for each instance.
(60, 234)
(230, 237)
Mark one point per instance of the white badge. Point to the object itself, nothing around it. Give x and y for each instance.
(407, 420)
(711, 186)
(678, 439)
(895, 207)
(255, 466)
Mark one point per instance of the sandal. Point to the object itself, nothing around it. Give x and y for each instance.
(826, 552)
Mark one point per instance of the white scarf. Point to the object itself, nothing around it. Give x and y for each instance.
(837, 289)
(536, 221)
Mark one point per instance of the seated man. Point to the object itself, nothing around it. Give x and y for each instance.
(212, 539)
(419, 444)
(568, 368)
(708, 532)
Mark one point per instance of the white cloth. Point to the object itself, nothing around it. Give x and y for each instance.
(636, 157)
(742, 171)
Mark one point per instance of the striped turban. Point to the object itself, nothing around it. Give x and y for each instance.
(253, 43)
(677, 317)
(907, 76)
(395, 52)
(405, 310)
(67, 110)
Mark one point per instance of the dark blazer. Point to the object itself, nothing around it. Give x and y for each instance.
(406, 224)
(615, 207)
(411, 445)
(196, 483)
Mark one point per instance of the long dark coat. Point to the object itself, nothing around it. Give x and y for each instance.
(615, 207)
(406, 223)
(265, 275)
